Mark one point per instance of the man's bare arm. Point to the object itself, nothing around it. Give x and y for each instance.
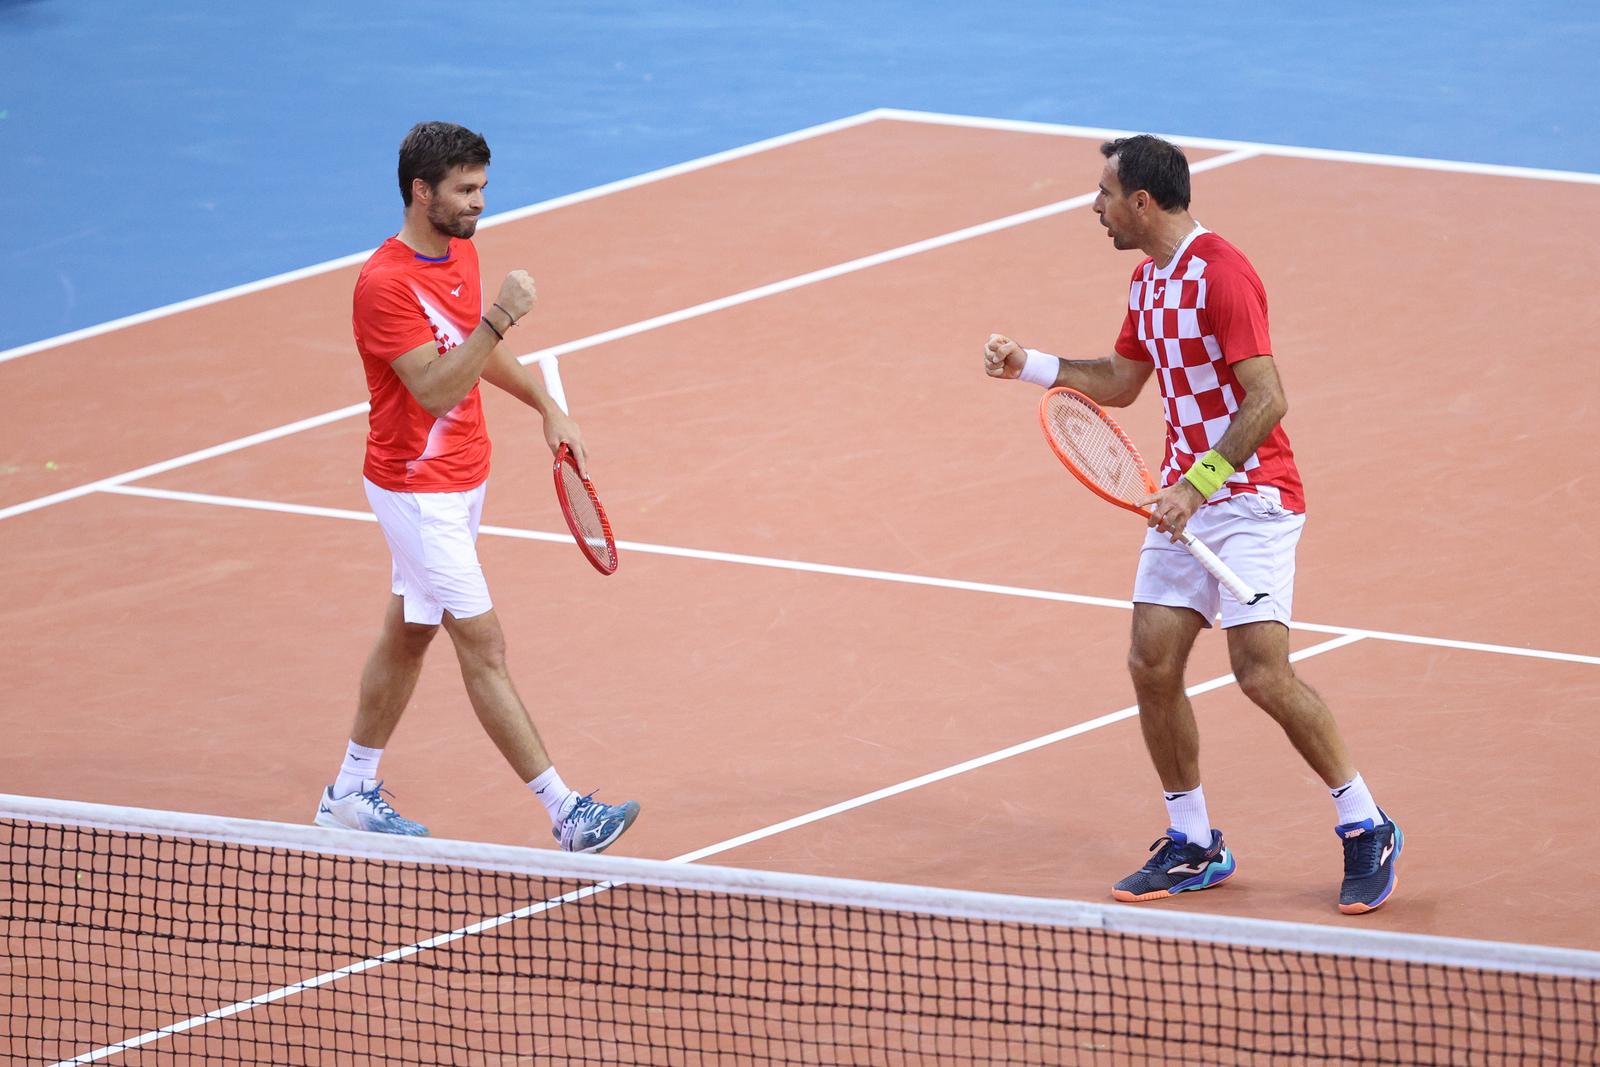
(503, 371)
(1111, 380)
(438, 382)
(1263, 407)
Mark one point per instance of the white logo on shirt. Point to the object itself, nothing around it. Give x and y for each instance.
(457, 290)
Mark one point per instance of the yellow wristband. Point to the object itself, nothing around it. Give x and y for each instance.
(1208, 473)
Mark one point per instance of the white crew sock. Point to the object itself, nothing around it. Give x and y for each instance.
(1186, 813)
(360, 764)
(1355, 803)
(552, 793)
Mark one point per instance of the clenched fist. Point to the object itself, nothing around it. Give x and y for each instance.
(517, 294)
(1003, 357)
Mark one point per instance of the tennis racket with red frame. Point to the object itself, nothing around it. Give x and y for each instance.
(585, 517)
(1093, 447)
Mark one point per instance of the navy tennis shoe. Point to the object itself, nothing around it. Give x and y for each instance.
(1370, 852)
(1178, 866)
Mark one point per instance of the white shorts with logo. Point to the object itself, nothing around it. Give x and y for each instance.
(433, 538)
(1252, 535)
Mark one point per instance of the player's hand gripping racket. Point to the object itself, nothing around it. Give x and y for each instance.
(585, 517)
(1097, 452)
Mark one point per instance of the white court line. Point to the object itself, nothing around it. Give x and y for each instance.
(932, 118)
(1329, 155)
(370, 963)
(644, 325)
(984, 761)
(329, 977)
(550, 367)
(184, 460)
(1240, 150)
(1324, 155)
(899, 578)
(492, 220)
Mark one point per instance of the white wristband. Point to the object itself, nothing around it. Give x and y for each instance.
(1041, 368)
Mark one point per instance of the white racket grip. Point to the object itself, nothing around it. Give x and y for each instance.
(1221, 571)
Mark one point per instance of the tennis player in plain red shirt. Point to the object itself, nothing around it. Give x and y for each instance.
(425, 339)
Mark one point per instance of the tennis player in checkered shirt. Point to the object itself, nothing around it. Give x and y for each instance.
(1197, 320)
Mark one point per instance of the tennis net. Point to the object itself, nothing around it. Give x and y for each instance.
(135, 936)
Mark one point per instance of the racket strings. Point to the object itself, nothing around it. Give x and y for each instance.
(1096, 449)
(586, 514)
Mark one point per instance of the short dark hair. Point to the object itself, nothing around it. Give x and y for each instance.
(432, 148)
(1156, 166)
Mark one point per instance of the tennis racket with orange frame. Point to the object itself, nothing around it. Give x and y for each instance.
(1091, 445)
(585, 517)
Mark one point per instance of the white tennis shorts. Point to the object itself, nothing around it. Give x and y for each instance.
(1252, 535)
(433, 538)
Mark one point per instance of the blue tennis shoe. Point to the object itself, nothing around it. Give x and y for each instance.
(1370, 852)
(1178, 866)
(365, 809)
(587, 825)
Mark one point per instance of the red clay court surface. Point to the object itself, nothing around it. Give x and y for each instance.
(167, 652)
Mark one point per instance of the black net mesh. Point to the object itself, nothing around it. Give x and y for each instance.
(194, 951)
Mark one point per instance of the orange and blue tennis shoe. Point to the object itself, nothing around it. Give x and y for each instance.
(1178, 866)
(1370, 852)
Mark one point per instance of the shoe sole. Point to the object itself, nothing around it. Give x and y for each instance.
(328, 822)
(633, 813)
(1138, 898)
(1126, 897)
(1362, 907)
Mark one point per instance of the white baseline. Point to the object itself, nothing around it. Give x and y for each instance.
(642, 326)
(897, 577)
(1326, 155)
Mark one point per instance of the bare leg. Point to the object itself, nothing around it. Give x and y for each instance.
(481, 649)
(390, 675)
(1260, 655)
(1162, 638)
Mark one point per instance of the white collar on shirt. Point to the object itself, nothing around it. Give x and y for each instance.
(1183, 246)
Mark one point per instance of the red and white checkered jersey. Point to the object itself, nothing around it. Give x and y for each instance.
(1195, 318)
(404, 300)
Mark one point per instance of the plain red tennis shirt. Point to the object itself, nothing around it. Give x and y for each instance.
(403, 300)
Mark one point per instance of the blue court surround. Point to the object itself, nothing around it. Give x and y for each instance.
(154, 152)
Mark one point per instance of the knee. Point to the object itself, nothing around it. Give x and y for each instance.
(1264, 681)
(481, 646)
(1151, 671)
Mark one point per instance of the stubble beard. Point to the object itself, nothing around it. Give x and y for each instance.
(458, 225)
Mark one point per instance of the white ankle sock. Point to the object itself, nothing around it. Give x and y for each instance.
(1186, 813)
(1354, 802)
(360, 763)
(552, 793)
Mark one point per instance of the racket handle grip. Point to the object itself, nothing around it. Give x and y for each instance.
(1221, 571)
